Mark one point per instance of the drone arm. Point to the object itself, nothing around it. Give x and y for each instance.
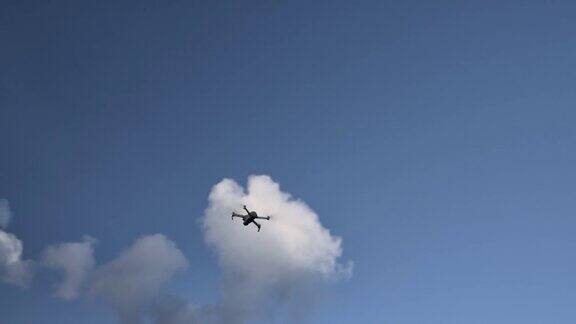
(266, 217)
(246, 209)
(237, 215)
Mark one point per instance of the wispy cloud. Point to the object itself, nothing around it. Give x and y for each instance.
(75, 260)
(131, 282)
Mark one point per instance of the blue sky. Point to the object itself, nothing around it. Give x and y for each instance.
(436, 139)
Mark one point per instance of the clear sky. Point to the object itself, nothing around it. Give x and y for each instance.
(436, 138)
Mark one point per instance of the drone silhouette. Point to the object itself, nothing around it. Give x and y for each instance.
(249, 218)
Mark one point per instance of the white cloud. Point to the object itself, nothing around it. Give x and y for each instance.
(75, 260)
(13, 270)
(293, 250)
(131, 282)
(5, 213)
(264, 272)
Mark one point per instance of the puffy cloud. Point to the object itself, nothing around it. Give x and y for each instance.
(131, 282)
(266, 272)
(13, 270)
(5, 213)
(75, 260)
(278, 265)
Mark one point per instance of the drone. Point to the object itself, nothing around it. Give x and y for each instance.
(250, 217)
